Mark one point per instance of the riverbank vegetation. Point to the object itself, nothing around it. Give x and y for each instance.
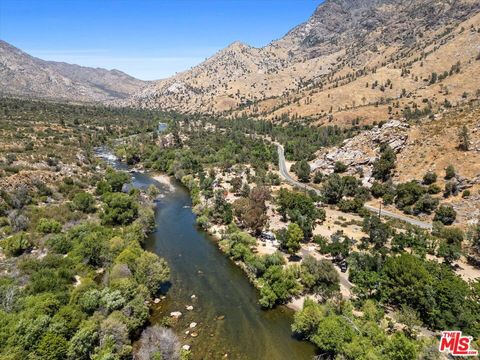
(75, 281)
(398, 290)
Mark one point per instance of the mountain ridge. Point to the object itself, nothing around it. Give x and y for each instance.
(27, 76)
(343, 40)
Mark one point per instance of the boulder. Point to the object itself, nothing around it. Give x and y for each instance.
(175, 314)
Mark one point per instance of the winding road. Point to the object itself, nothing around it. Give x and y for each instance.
(286, 176)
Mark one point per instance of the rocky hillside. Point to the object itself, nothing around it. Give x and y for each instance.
(351, 61)
(27, 76)
(427, 145)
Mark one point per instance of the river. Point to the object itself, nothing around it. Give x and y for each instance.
(225, 306)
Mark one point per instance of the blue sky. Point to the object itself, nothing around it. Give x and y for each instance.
(145, 38)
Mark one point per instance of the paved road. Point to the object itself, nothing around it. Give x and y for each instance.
(286, 176)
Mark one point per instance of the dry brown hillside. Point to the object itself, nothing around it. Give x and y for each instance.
(429, 144)
(351, 61)
(23, 75)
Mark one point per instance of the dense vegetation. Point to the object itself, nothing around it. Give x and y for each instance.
(300, 141)
(77, 275)
(75, 283)
(388, 268)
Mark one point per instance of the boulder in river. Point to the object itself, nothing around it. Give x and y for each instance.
(175, 314)
(192, 325)
(189, 307)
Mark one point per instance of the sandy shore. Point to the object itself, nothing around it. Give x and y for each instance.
(164, 180)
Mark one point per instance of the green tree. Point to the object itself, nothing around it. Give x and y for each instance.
(319, 276)
(83, 343)
(378, 232)
(464, 138)
(302, 170)
(407, 194)
(306, 321)
(317, 177)
(116, 179)
(300, 209)
(383, 166)
(399, 347)
(119, 209)
(291, 240)
(52, 347)
(426, 204)
(222, 210)
(333, 333)
(333, 188)
(278, 285)
(152, 271)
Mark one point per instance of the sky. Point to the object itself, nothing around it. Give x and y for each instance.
(145, 38)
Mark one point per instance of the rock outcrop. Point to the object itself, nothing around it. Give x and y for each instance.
(359, 152)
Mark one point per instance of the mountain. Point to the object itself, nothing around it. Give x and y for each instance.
(26, 76)
(352, 60)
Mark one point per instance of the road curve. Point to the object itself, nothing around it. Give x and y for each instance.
(286, 176)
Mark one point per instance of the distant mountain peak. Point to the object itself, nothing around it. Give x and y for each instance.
(327, 64)
(24, 75)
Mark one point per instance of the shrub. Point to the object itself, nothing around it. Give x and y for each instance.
(18, 221)
(429, 178)
(426, 204)
(158, 343)
(48, 226)
(83, 201)
(445, 214)
(59, 244)
(434, 189)
(317, 177)
(451, 188)
(339, 167)
(16, 245)
(449, 172)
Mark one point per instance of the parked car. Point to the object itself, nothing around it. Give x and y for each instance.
(343, 266)
(265, 235)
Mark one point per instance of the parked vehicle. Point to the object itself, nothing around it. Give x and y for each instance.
(265, 235)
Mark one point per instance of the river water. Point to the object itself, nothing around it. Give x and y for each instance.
(225, 306)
